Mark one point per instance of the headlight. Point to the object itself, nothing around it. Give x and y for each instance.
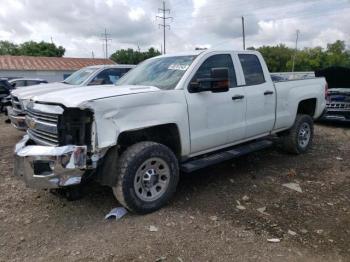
(25, 103)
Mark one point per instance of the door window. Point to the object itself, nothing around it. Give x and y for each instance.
(252, 69)
(216, 61)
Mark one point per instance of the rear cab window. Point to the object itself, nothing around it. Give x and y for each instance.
(252, 69)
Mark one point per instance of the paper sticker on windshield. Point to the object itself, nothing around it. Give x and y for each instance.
(178, 67)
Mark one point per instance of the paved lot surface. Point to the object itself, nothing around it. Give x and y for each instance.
(213, 216)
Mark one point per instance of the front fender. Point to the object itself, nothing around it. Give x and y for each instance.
(115, 115)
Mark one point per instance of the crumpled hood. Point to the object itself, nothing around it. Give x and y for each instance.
(74, 97)
(29, 92)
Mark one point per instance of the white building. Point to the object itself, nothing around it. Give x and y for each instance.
(52, 69)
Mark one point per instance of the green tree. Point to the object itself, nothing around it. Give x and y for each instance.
(337, 54)
(133, 57)
(276, 57)
(280, 58)
(8, 48)
(31, 48)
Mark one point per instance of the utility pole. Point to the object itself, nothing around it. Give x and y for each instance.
(243, 32)
(92, 54)
(164, 25)
(106, 38)
(296, 50)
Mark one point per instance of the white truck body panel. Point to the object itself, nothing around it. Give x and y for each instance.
(206, 121)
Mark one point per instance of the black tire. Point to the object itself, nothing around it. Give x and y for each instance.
(290, 140)
(127, 167)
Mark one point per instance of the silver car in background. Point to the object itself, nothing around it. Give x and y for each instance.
(87, 76)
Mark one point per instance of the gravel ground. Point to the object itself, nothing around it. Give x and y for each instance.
(213, 217)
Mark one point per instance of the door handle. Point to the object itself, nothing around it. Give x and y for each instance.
(267, 93)
(237, 97)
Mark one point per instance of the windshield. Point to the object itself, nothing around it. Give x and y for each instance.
(78, 77)
(162, 72)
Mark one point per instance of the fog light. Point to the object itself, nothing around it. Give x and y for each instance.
(43, 167)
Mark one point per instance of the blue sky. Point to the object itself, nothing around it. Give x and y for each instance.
(77, 25)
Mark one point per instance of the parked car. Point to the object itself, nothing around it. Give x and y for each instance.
(5, 89)
(173, 112)
(338, 102)
(92, 75)
(21, 82)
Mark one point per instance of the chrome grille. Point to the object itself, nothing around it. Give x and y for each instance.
(338, 105)
(42, 127)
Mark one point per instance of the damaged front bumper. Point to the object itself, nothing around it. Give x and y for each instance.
(47, 167)
(17, 120)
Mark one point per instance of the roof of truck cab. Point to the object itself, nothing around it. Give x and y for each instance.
(208, 51)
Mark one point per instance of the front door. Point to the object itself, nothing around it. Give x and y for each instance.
(216, 119)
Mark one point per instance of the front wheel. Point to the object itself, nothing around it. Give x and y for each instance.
(299, 138)
(148, 174)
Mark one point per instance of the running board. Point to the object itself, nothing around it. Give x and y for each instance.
(237, 151)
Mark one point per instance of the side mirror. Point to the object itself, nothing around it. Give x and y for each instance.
(218, 82)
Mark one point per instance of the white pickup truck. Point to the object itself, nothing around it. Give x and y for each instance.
(91, 75)
(170, 113)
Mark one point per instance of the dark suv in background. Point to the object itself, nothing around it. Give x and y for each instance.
(5, 89)
(338, 101)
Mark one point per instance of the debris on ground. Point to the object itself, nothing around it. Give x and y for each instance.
(118, 213)
(239, 206)
(262, 210)
(292, 233)
(245, 198)
(319, 231)
(339, 158)
(213, 218)
(293, 186)
(291, 173)
(153, 228)
(273, 240)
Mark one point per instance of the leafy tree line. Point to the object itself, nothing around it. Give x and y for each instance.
(31, 48)
(133, 57)
(280, 58)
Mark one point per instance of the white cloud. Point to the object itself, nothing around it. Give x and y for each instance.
(136, 14)
(78, 25)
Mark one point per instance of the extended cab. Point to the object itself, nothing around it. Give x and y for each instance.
(91, 75)
(171, 113)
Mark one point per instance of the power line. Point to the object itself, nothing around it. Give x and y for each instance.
(164, 25)
(106, 38)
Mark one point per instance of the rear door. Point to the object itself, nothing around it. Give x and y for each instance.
(260, 96)
(215, 119)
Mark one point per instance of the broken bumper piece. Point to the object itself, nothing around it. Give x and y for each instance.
(18, 121)
(46, 167)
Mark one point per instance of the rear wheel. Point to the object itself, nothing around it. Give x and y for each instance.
(299, 138)
(148, 174)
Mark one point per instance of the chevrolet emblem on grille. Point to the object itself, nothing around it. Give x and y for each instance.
(30, 122)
